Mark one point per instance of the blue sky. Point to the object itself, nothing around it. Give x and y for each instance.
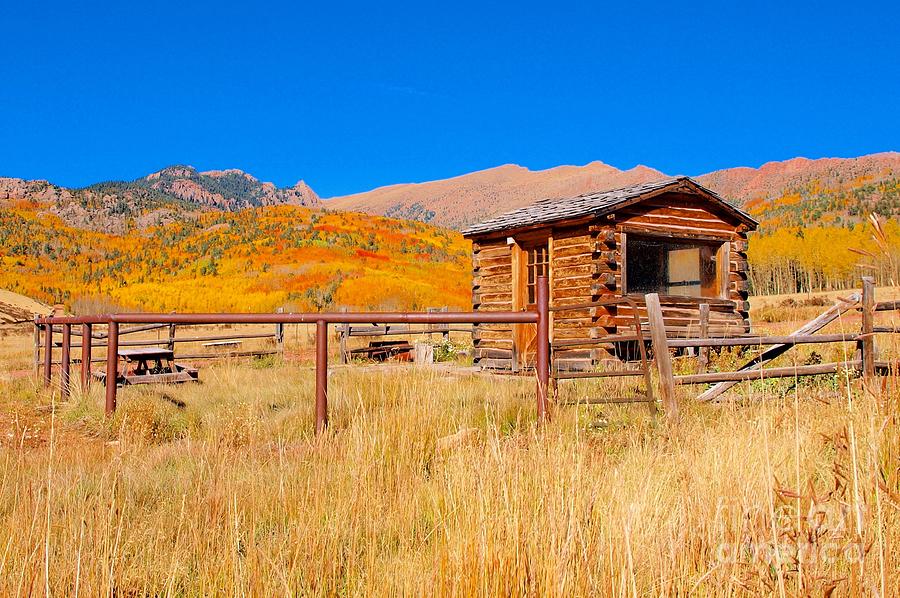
(352, 96)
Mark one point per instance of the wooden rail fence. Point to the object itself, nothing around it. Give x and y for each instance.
(643, 371)
(865, 356)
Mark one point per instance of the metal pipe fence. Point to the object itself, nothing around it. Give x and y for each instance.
(540, 316)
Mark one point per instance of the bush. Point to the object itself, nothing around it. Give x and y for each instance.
(448, 350)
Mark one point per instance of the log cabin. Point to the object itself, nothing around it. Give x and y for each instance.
(673, 237)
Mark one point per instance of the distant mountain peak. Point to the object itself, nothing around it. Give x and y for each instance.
(463, 199)
(228, 189)
(645, 168)
(176, 170)
(228, 172)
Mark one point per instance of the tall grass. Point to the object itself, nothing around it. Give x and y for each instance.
(222, 488)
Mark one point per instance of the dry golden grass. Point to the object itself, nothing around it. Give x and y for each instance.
(222, 488)
(801, 307)
(16, 352)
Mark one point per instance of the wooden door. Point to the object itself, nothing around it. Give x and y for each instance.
(532, 259)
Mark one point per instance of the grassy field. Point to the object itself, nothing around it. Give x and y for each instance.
(437, 482)
(801, 307)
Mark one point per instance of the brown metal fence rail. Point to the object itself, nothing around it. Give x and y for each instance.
(539, 316)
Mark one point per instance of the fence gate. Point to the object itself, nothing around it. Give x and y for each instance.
(637, 337)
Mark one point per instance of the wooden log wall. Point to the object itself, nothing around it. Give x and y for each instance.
(492, 291)
(676, 214)
(739, 277)
(682, 317)
(584, 268)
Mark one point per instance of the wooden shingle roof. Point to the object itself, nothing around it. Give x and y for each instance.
(598, 203)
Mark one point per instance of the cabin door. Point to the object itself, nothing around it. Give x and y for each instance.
(533, 260)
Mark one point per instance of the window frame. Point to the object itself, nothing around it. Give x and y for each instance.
(535, 268)
(722, 254)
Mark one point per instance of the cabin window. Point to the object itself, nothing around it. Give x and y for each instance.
(672, 266)
(538, 265)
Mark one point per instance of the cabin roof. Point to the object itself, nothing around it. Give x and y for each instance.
(598, 203)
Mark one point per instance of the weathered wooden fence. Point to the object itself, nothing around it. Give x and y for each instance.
(637, 337)
(864, 359)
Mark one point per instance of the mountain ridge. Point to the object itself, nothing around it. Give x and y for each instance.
(463, 199)
(172, 193)
(798, 191)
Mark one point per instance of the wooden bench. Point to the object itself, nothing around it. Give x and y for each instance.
(384, 350)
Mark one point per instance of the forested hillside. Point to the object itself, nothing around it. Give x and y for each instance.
(800, 259)
(251, 260)
(159, 198)
(808, 234)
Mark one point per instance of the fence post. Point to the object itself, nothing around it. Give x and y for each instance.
(279, 334)
(867, 344)
(87, 343)
(171, 344)
(704, 333)
(321, 376)
(446, 333)
(112, 365)
(48, 353)
(661, 354)
(343, 333)
(543, 347)
(37, 346)
(65, 360)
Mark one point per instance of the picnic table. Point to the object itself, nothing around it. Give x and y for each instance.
(152, 365)
(163, 360)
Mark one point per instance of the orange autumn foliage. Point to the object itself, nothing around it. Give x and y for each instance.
(255, 260)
